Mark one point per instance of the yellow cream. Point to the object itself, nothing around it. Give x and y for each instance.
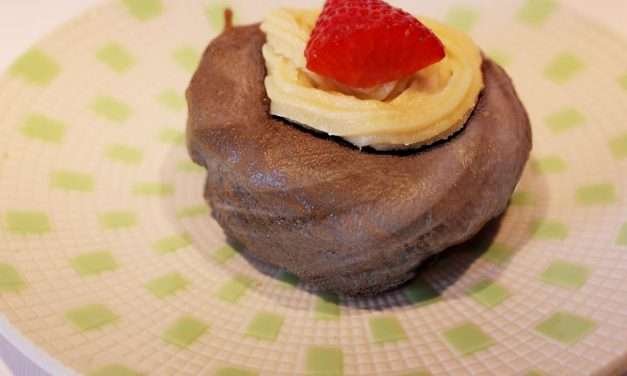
(429, 106)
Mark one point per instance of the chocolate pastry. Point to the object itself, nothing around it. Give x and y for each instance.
(346, 220)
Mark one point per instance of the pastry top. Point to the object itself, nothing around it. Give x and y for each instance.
(347, 220)
(414, 111)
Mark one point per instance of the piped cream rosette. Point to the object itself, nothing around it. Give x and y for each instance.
(429, 106)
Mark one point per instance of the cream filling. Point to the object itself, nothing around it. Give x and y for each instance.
(419, 110)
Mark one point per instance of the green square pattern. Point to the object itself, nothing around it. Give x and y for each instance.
(327, 307)
(235, 371)
(324, 361)
(42, 128)
(233, 290)
(534, 372)
(462, 17)
(618, 145)
(115, 57)
(596, 194)
(564, 120)
(498, 253)
(386, 329)
(172, 136)
(622, 81)
(72, 181)
(153, 189)
(488, 293)
(566, 274)
(35, 67)
(536, 12)
(522, 198)
(467, 339)
(187, 58)
(124, 154)
(144, 10)
(287, 279)
(215, 15)
(114, 370)
(27, 222)
(549, 165)
(416, 373)
(172, 100)
(167, 285)
(185, 331)
(223, 254)
(566, 327)
(622, 236)
(420, 293)
(501, 57)
(114, 220)
(91, 317)
(193, 211)
(10, 279)
(94, 263)
(172, 243)
(189, 166)
(111, 109)
(563, 68)
(549, 230)
(265, 326)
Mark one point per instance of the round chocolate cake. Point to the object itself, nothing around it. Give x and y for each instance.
(346, 220)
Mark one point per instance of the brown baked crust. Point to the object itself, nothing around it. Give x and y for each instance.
(348, 221)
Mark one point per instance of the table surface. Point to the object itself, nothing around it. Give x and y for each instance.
(18, 31)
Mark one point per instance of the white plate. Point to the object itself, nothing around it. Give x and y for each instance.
(109, 261)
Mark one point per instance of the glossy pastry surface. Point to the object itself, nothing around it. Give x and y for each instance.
(346, 220)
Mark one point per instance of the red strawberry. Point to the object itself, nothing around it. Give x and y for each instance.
(363, 43)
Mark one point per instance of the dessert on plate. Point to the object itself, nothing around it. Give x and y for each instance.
(349, 144)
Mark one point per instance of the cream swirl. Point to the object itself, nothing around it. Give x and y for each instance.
(419, 110)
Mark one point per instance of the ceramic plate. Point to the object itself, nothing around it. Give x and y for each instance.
(110, 263)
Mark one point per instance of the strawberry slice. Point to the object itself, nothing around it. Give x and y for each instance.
(364, 43)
